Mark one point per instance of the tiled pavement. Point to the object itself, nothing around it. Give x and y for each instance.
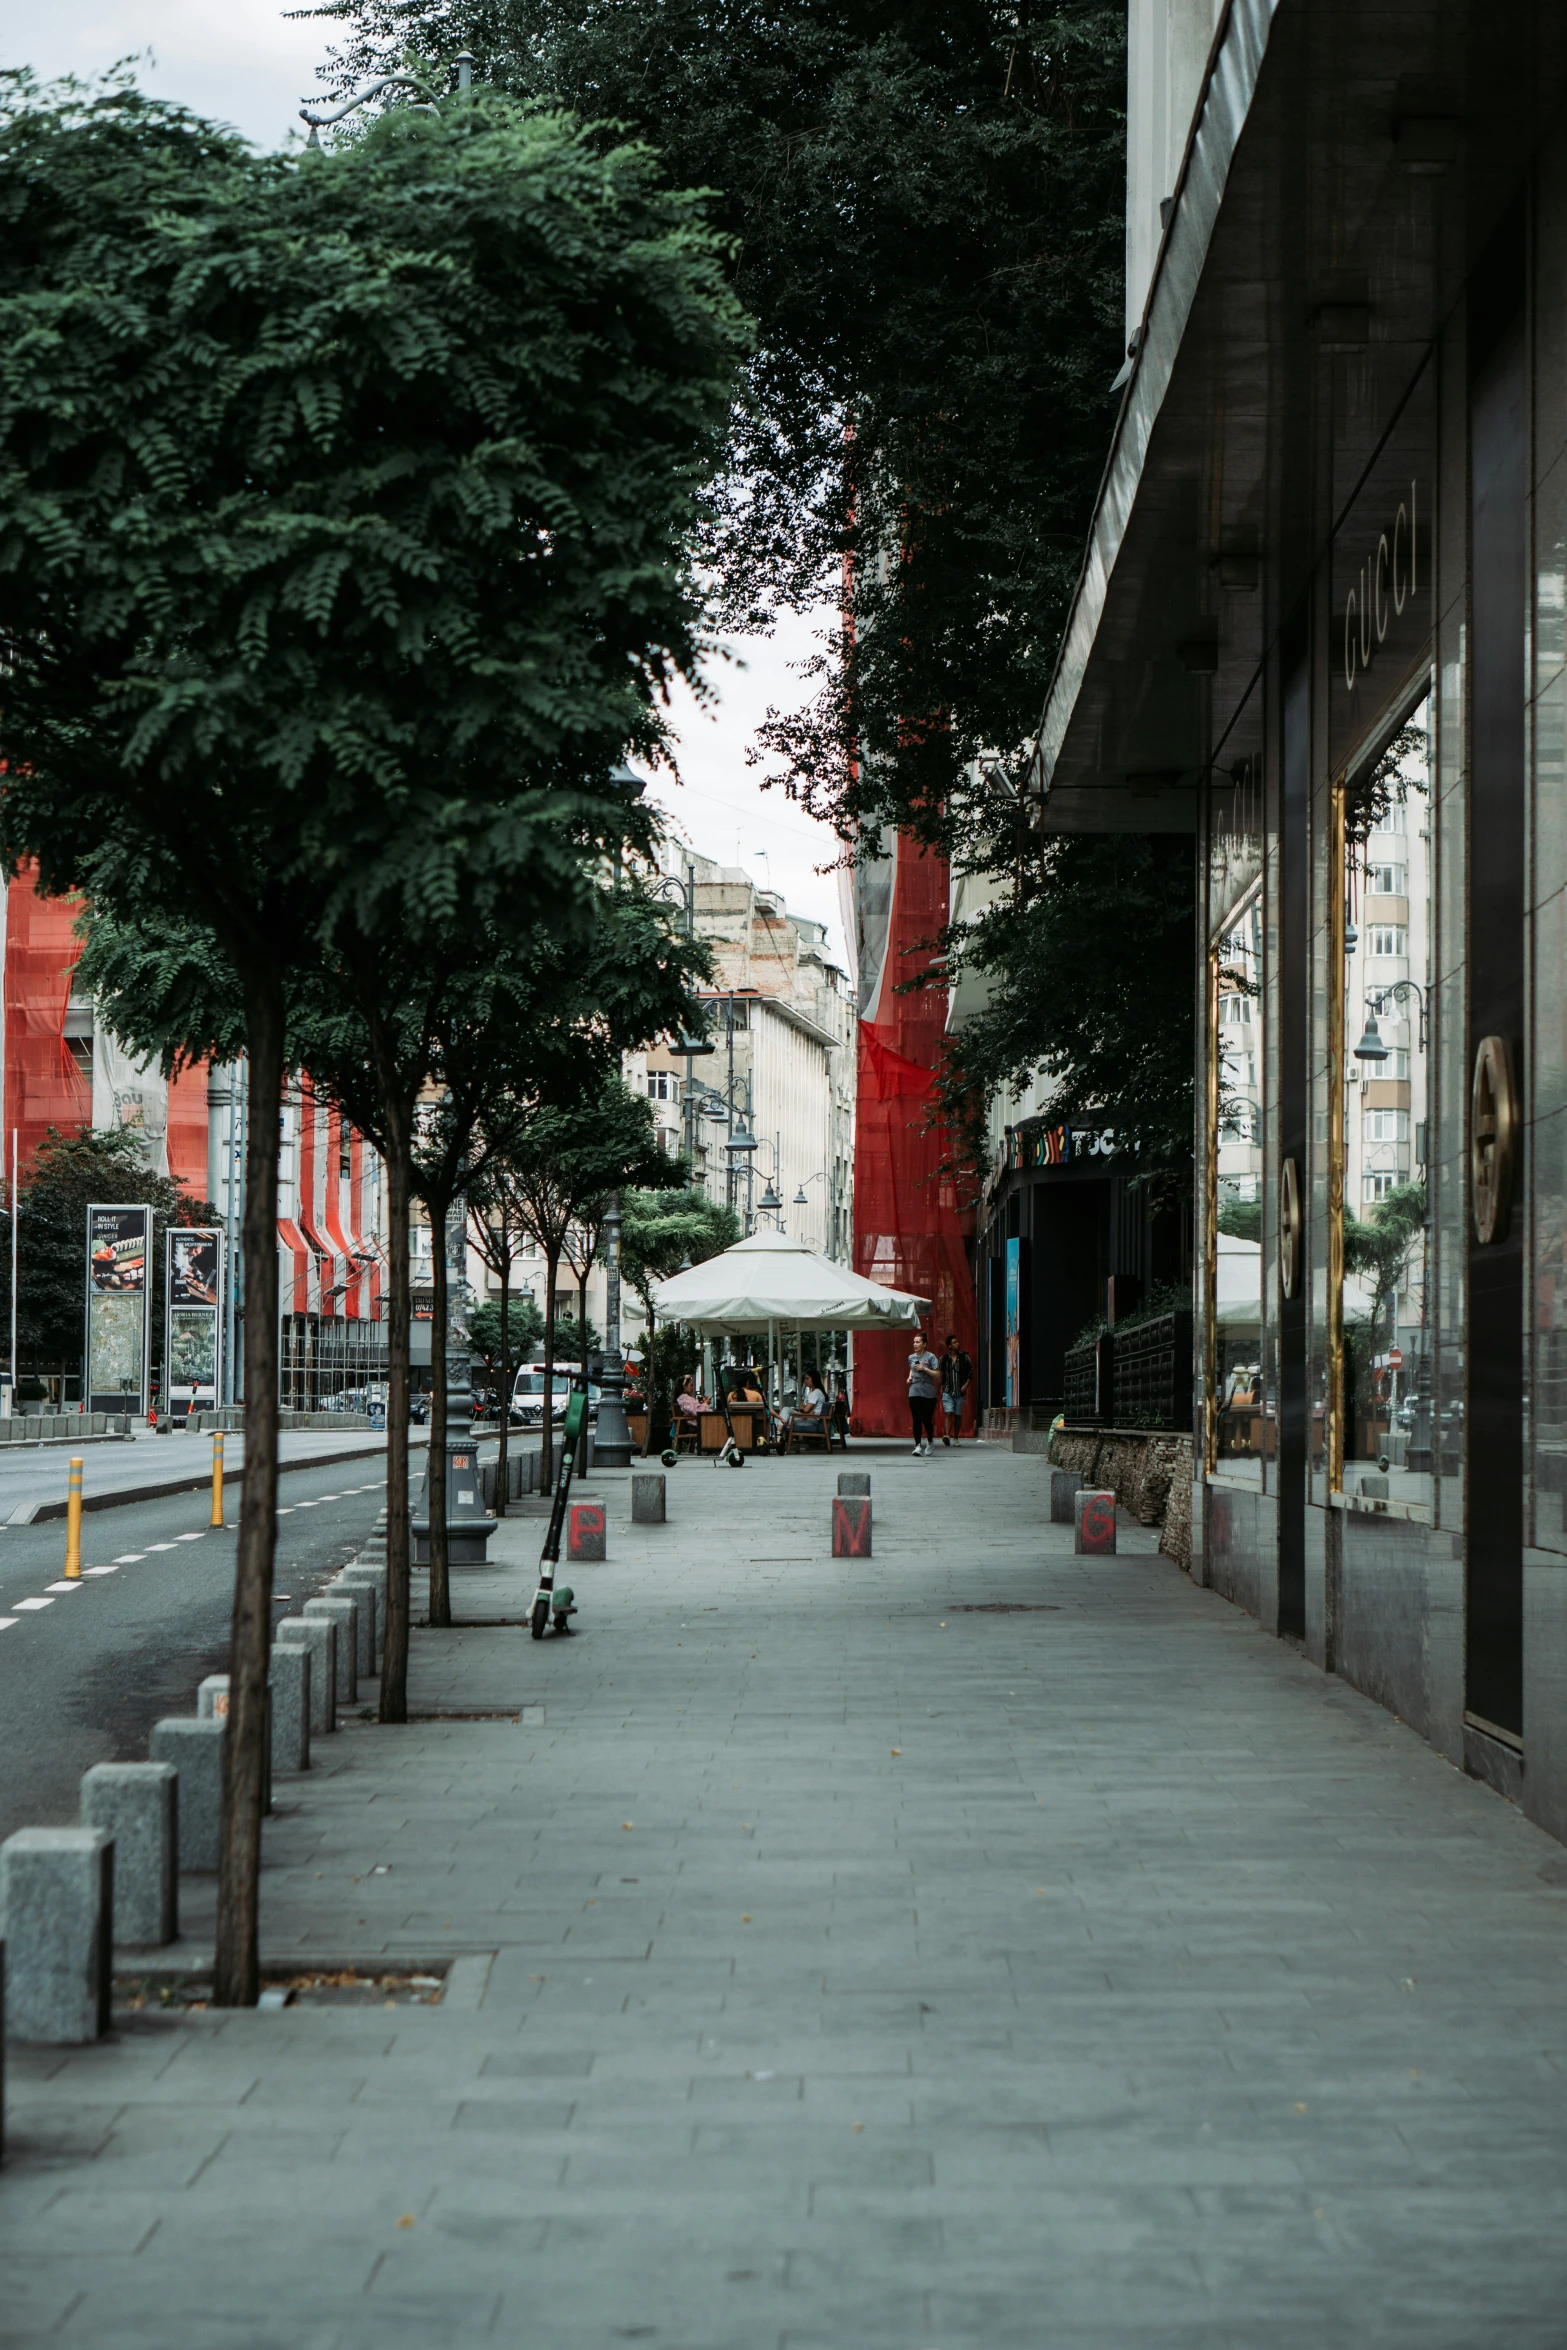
(970, 1949)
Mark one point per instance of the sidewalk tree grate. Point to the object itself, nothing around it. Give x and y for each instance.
(1005, 1607)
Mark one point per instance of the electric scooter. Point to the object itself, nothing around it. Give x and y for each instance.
(550, 1606)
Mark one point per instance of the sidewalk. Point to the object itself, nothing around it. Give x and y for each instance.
(973, 1948)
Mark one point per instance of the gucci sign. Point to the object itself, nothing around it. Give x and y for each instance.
(1389, 578)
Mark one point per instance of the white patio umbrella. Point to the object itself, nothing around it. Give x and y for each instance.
(769, 1281)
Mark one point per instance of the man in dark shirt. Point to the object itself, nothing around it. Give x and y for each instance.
(956, 1374)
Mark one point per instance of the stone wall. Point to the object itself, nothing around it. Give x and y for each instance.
(1149, 1474)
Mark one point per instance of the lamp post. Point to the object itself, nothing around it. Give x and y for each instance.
(388, 81)
(468, 1529)
(612, 1438)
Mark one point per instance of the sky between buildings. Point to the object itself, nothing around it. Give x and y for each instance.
(245, 62)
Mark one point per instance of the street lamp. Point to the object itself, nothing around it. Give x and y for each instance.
(1379, 999)
(388, 81)
(742, 1139)
(769, 1200)
(612, 1439)
(1371, 1048)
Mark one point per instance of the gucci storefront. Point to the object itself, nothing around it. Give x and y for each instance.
(1324, 625)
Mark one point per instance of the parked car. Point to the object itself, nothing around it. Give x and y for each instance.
(527, 1400)
(419, 1410)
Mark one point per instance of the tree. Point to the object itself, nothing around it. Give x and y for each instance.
(1090, 972)
(561, 1167)
(504, 1342)
(68, 1172)
(630, 1154)
(661, 1231)
(300, 627)
(926, 201)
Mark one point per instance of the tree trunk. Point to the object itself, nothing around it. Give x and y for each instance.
(394, 1647)
(237, 1954)
(546, 1423)
(503, 1456)
(435, 1470)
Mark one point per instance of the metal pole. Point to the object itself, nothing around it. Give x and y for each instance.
(216, 1518)
(729, 1096)
(612, 1438)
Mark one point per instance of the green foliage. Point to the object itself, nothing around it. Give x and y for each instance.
(1241, 1218)
(344, 503)
(1377, 1250)
(525, 1327)
(661, 1230)
(68, 1173)
(1091, 986)
(926, 203)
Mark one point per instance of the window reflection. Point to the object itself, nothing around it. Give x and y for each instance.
(1386, 1413)
(1244, 1423)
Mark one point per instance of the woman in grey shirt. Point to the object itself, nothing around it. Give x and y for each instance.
(924, 1385)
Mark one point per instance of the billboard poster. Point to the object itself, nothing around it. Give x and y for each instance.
(118, 1296)
(1014, 1357)
(193, 1318)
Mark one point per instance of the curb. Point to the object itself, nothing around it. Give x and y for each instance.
(37, 1513)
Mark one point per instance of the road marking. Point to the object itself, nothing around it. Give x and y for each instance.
(288, 1509)
(152, 1546)
(190, 1537)
(33, 1603)
(304, 1505)
(6, 1622)
(130, 1558)
(114, 1570)
(73, 1585)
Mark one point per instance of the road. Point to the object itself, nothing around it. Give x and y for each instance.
(84, 1677)
(34, 1475)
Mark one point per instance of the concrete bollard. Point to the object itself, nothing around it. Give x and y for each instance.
(854, 1481)
(1095, 1524)
(851, 1526)
(212, 1705)
(138, 1805)
(288, 1684)
(195, 1747)
(1065, 1485)
(344, 1614)
(585, 1531)
(321, 1640)
(354, 1585)
(57, 1923)
(647, 1501)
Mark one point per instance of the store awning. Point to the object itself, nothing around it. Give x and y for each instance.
(771, 1281)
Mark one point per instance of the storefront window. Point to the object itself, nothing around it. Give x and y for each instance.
(1241, 1422)
(1385, 1433)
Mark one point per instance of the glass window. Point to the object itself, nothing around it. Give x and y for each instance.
(1384, 1437)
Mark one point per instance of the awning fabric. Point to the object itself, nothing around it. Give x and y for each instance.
(770, 1279)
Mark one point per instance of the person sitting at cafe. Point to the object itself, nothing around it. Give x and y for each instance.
(813, 1402)
(688, 1401)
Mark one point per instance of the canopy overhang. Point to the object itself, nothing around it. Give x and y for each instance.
(770, 1282)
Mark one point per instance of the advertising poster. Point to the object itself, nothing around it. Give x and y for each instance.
(193, 1318)
(117, 1303)
(1014, 1322)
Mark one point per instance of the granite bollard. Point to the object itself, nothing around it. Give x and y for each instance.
(851, 1526)
(212, 1705)
(195, 1747)
(57, 1922)
(138, 1805)
(320, 1638)
(647, 1501)
(585, 1530)
(288, 1680)
(343, 1613)
(1095, 1525)
(854, 1481)
(354, 1584)
(1065, 1485)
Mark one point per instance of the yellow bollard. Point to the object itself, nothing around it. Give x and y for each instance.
(216, 1518)
(73, 1523)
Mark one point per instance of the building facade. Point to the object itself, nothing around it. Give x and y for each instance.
(1322, 626)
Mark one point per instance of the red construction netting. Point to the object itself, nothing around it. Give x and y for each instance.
(43, 1085)
(908, 1229)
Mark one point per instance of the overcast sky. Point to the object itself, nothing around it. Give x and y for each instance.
(244, 62)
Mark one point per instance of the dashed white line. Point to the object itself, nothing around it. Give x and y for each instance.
(130, 1558)
(288, 1509)
(74, 1584)
(31, 1603)
(114, 1570)
(152, 1546)
(190, 1537)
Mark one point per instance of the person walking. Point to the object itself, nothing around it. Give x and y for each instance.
(957, 1374)
(924, 1382)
